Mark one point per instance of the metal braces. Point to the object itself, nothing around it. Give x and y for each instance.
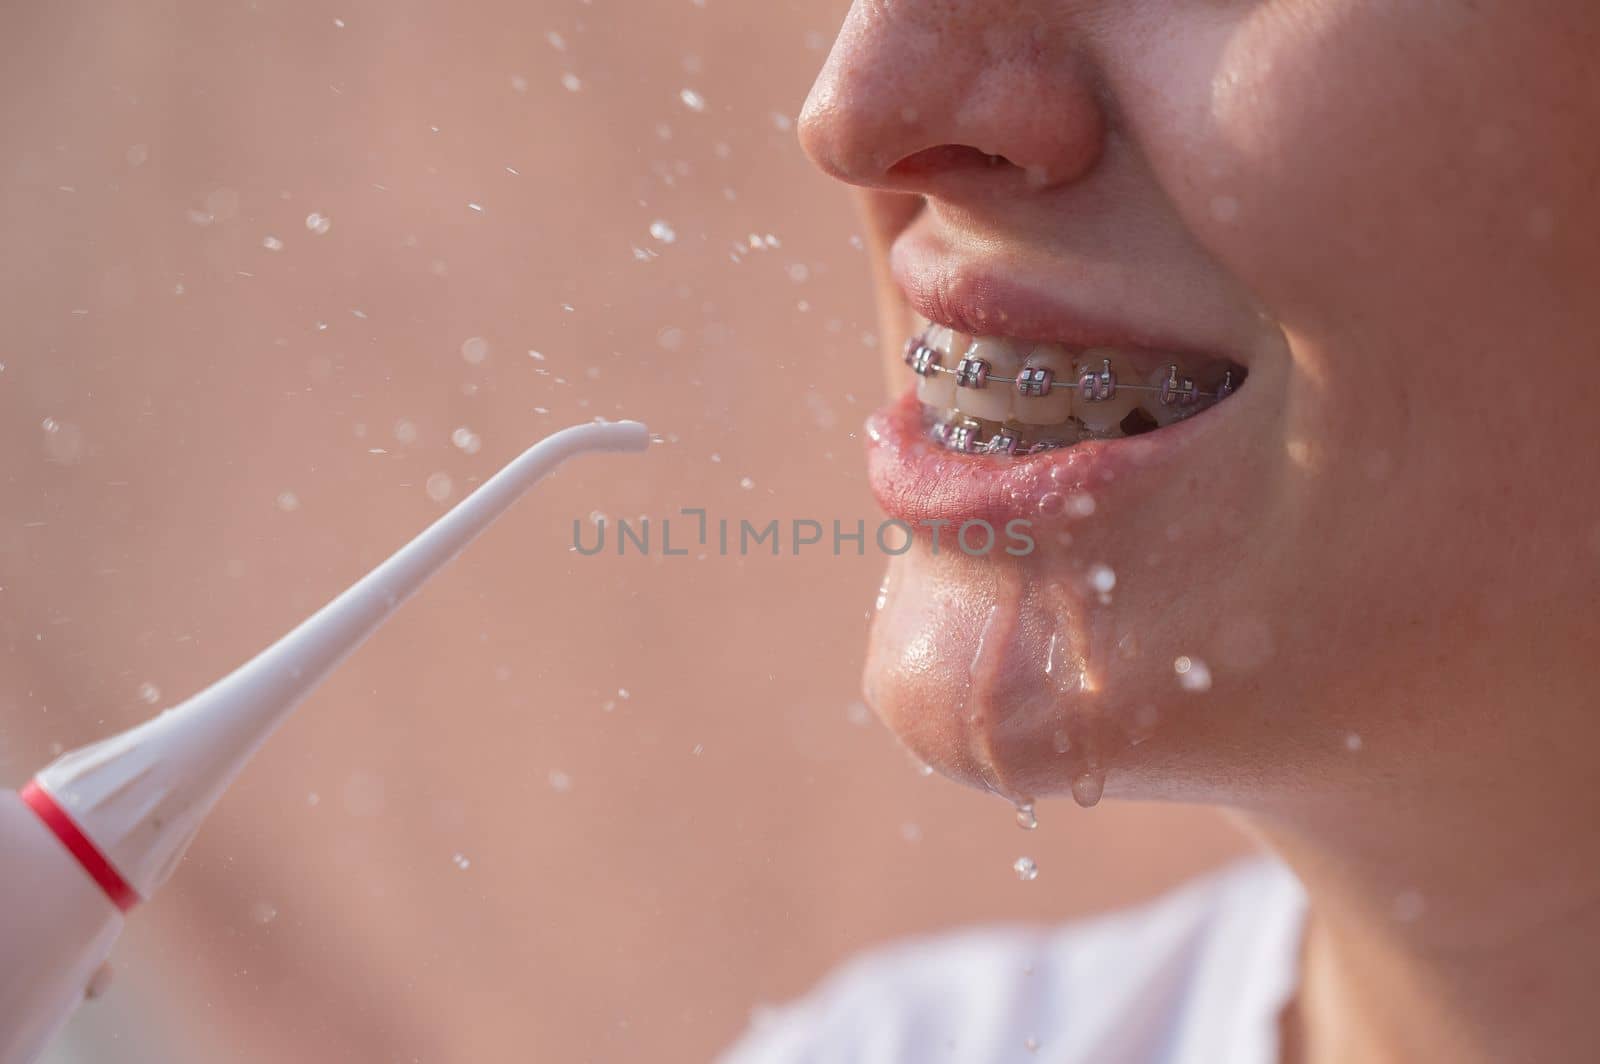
(1094, 386)
(961, 434)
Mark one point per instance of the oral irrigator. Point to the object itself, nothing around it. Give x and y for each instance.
(102, 827)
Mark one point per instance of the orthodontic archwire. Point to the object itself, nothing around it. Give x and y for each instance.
(1092, 385)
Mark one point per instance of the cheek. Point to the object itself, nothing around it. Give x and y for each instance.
(1407, 189)
(1392, 177)
(1337, 143)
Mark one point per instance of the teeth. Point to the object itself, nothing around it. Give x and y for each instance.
(939, 389)
(976, 396)
(1055, 404)
(1174, 398)
(1105, 415)
(991, 395)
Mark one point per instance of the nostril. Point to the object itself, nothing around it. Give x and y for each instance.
(947, 158)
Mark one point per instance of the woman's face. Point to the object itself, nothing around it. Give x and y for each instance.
(1385, 213)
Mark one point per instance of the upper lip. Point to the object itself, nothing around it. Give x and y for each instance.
(1004, 291)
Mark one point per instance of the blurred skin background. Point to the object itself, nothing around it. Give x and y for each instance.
(274, 277)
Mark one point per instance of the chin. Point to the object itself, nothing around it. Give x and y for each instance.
(1079, 651)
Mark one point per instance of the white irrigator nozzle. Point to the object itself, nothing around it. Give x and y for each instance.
(140, 796)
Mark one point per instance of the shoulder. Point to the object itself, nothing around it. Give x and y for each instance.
(1112, 988)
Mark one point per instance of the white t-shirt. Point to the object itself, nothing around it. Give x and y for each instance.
(1199, 976)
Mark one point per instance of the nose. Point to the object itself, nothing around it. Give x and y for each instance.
(954, 99)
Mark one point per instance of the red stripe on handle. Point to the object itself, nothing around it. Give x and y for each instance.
(77, 843)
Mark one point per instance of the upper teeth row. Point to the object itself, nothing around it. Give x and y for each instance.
(1093, 384)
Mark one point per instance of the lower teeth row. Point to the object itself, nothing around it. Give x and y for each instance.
(956, 431)
(1094, 401)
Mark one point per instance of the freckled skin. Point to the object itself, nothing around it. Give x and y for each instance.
(1388, 212)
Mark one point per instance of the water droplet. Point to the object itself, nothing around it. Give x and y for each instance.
(560, 782)
(911, 832)
(1352, 742)
(1102, 578)
(405, 431)
(462, 861)
(662, 231)
(288, 501)
(475, 349)
(1025, 868)
(63, 442)
(558, 42)
(272, 243)
(318, 223)
(1081, 504)
(438, 486)
(263, 912)
(571, 83)
(692, 100)
(1193, 675)
(150, 693)
(1031, 1045)
(858, 714)
(467, 440)
(746, 483)
(1027, 820)
(1086, 789)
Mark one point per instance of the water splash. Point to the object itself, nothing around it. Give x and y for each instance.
(1193, 674)
(1027, 819)
(1102, 578)
(1087, 788)
(1026, 869)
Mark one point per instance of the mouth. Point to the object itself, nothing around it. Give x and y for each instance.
(1072, 451)
(994, 428)
(994, 395)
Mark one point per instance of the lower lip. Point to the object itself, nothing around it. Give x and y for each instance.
(922, 484)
